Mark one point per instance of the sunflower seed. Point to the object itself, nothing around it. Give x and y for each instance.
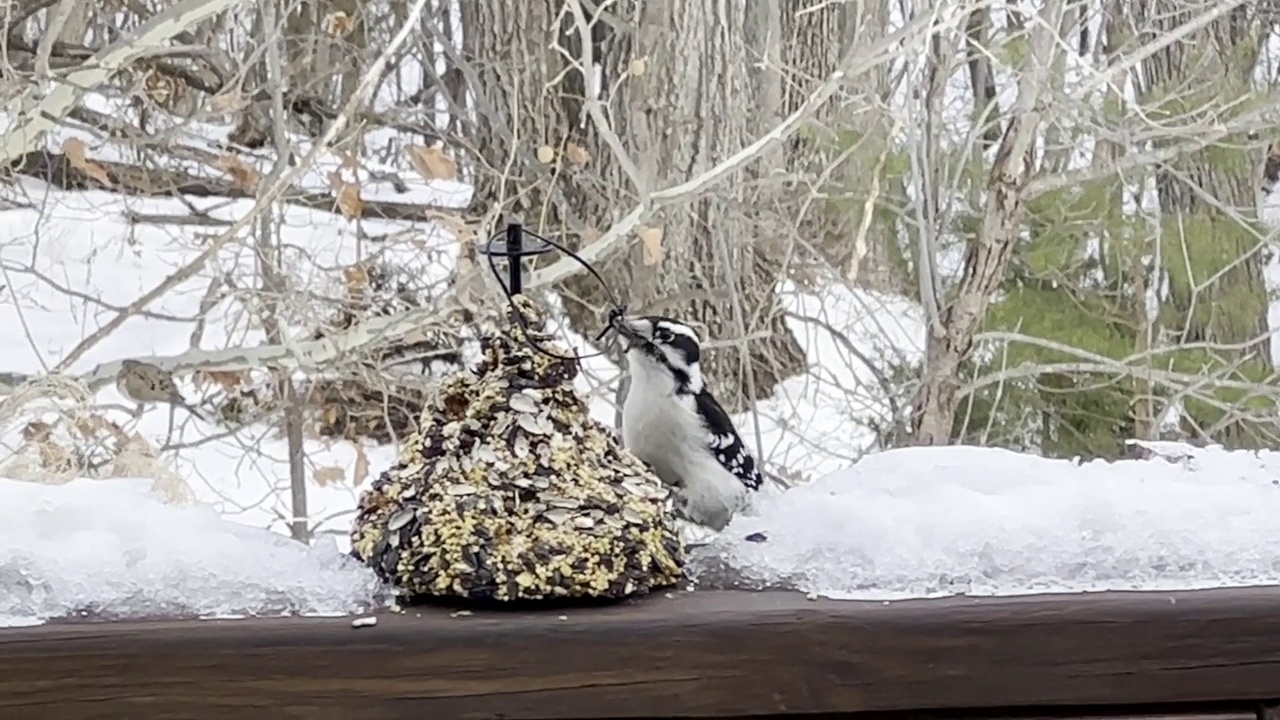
(635, 488)
(462, 489)
(520, 448)
(582, 521)
(632, 516)
(533, 425)
(558, 516)
(522, 403)
(559, 501)
(484, 454)
(400, 519)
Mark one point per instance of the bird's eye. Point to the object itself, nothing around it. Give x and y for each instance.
(662, 335)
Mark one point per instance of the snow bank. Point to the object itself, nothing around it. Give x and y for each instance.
(928, 522)
(111, 549)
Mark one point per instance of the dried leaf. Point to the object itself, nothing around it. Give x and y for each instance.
(589, 235)
(78, 156)
(361, 472)
(546, 155)
(347, 195)
(228, 380)
(577, 154)
(88, 426)
(338, 24)
(651, 244)
(326, 476)
(37, 431)
(245, 176)
(356, 278)
(228, 101)
(638, 66)
(432, 163)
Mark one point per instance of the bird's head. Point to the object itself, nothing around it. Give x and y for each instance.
(662, 349)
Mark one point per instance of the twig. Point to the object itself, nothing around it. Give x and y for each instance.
(138, 218)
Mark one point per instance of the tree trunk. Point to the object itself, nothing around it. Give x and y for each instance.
(1213, 262)
(694, 102)
(986, 258)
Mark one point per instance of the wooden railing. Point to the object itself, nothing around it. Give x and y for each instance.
(1207, 654)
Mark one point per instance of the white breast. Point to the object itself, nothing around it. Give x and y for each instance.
(664, 431)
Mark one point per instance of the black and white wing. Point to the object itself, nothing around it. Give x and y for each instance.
(725, 443)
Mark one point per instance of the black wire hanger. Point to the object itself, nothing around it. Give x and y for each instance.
(513, 244)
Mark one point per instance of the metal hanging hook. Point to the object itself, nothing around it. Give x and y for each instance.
(516, 243)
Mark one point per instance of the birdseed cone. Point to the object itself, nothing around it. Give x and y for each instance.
(510, 491)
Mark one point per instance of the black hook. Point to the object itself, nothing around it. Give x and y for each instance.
(511, 244)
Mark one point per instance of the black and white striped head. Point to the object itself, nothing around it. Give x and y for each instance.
(663, 351)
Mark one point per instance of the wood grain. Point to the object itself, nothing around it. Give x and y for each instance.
(703, 654)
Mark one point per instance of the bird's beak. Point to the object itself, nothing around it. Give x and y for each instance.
(628, 328)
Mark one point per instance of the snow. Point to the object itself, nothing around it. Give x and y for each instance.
(113, 549)
(933, 522)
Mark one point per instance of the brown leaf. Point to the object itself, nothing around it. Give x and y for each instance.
(228, 101)
(78, 156)
(356, 278)
(577, 154)
(651, 244)
(326, 476)
(361, 471)
(37, 431)
(245, 176)
(432, 163)
(338, 24)
(347, 195)
(546, 155)
(88, 426)
(228, 380)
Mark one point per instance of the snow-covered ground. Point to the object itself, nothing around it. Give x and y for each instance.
(112, 549)
(906, 523)
(931, 522)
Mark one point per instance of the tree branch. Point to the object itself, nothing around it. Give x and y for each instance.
(41, 114)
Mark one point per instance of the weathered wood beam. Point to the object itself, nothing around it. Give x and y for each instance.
(702, 654)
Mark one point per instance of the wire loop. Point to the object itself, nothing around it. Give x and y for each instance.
(511, 244)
